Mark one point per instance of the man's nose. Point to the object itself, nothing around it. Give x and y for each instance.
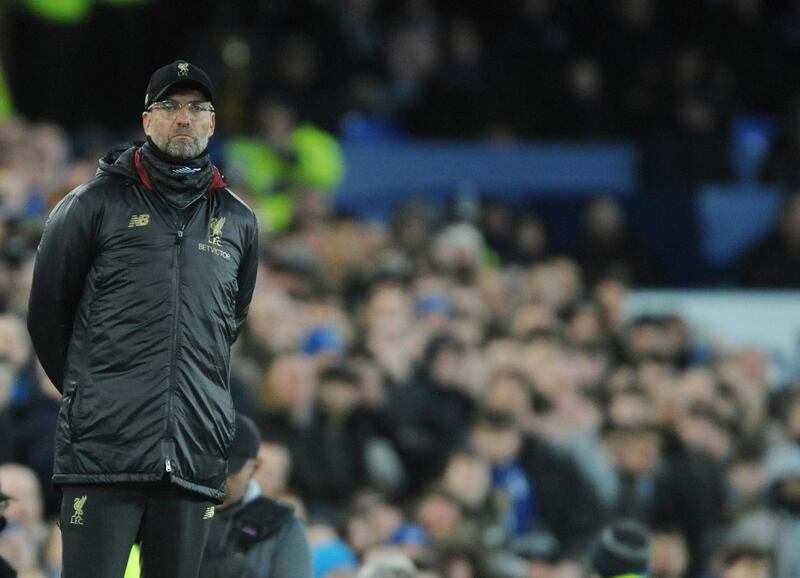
(183, 116)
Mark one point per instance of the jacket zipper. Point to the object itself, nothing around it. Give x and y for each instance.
(175, 344)
(179, 236)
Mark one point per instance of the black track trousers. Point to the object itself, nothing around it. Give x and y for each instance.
(100, 524)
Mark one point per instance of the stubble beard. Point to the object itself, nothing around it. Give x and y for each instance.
(183, 149)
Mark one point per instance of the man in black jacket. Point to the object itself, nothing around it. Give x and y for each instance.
(143, 278)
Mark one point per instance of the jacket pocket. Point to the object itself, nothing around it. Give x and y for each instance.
(72, 408)
(97, 286)
(231, 429)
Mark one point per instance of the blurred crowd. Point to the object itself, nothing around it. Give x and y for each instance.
(449, 384)
(673, 75)
(446, 385)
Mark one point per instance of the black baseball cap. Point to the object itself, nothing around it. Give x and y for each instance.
(245, 444)
(178, 75)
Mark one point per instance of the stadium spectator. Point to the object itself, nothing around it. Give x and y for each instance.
(329, 452)
(530, 473)
(252, 534)
(444, 521)
(608, 246)
(775, 526)
(331, 557)
(289, 167)
(272, 476)
(34, 418)
(374, 524)
(670, 554)
(467, 477)
(434, 412)
(23, 541)
(6, 571)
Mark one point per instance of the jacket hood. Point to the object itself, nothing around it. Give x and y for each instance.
(119, 161)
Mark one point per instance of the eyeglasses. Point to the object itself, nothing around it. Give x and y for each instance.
(170, 108)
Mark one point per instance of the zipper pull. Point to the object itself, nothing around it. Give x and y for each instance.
(168, 465)
(179, 238)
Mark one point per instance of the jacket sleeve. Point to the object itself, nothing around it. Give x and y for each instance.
(246, 281)
(63, 260)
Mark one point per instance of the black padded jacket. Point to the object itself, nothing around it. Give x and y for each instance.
(133, 310)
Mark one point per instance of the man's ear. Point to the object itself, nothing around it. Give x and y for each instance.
(146, 120)
(258, 464)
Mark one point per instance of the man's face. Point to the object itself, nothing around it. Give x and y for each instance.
(670, 555)
(499, 446)
(22, 483)
(338, 397)
(273, 473)
(637, 453)
(185, 136)
(237, 483)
